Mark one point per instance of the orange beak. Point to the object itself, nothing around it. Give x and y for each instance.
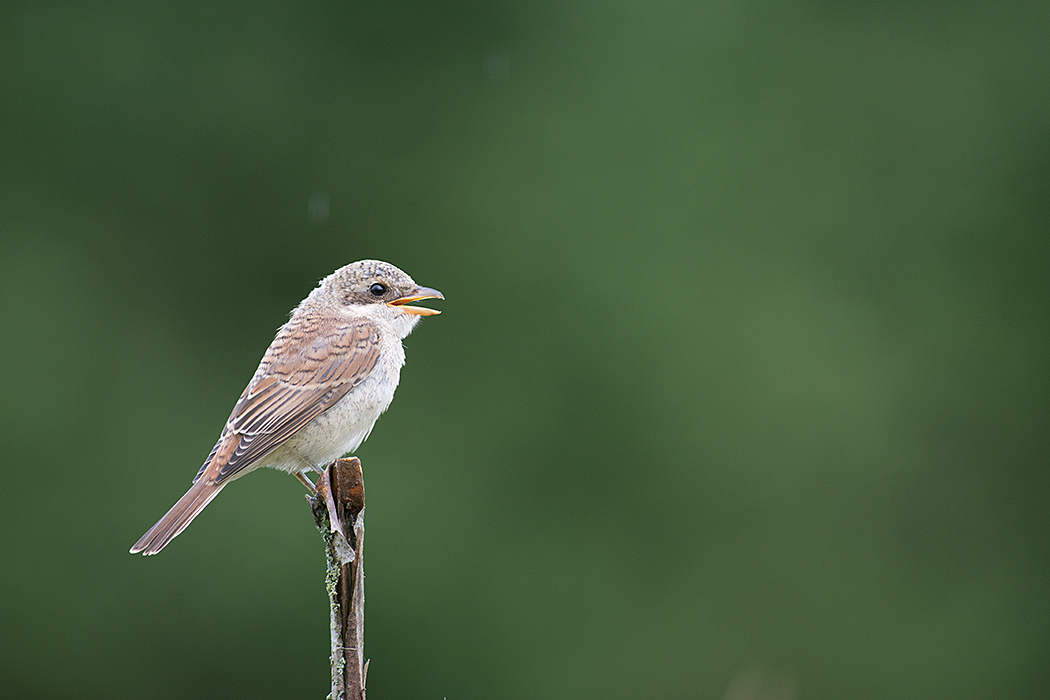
(417, 294)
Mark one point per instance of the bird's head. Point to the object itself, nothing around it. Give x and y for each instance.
(382, 291)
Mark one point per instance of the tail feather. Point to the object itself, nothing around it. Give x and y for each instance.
(178, 518)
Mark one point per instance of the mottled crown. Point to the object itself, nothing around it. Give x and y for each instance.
(369, 282)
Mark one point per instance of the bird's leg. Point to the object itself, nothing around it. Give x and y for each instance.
(311, 466)
(304, 479)
(306, 482)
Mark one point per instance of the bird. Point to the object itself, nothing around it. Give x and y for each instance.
(327, 376)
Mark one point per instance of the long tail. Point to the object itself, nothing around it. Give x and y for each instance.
(178, 518)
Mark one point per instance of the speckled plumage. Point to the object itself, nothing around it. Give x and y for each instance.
(322, 384)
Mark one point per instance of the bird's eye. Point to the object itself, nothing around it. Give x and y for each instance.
(378, 289)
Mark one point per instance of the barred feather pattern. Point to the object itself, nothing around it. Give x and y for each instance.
(312, 364)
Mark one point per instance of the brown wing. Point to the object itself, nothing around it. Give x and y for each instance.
(312, 363)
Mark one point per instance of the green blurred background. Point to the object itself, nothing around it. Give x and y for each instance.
(741, 389)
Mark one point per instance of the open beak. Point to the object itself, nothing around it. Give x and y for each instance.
(415, 295)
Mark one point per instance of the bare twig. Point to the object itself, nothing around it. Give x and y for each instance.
(338, 508)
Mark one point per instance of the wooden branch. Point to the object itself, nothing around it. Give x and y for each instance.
(339, 512)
